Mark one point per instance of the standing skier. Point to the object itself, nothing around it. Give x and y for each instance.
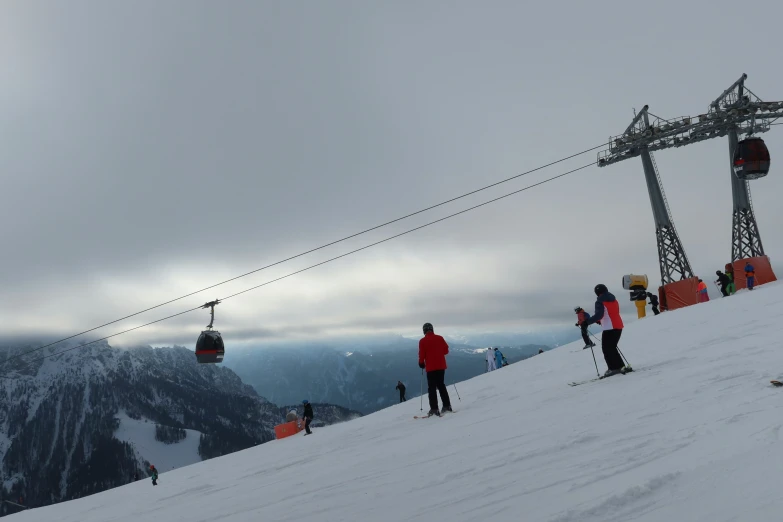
(432, 359)
(581, 322)
(307, 415)
(723, 282)
(490, 360)
(703, 295)
(607, 313)
(154, 474)
(653, 302)
(750, 275)
(498, 359)
(401, 387)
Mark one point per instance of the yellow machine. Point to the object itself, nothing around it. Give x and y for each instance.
(637, 284)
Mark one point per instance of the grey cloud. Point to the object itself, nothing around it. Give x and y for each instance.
(151, 148)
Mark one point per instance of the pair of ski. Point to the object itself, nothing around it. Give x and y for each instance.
(578, 383)
(428, 416)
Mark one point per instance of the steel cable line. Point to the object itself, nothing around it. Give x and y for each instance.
(311, 250)
(494, 200)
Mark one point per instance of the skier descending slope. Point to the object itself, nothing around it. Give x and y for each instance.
(308, 416)
(432, 359)
(607, 314)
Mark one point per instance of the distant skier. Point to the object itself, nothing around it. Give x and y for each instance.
(723, 282)
(401, 387)
(581, 322)
(702, 291)
(154, 474)
(653, 302)
(491, 360)
(498, 359)
(540, 350)
(750, 275)
(307, 415)
(432, 359)
(607, 314)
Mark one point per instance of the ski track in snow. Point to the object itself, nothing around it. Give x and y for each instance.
(693, 435)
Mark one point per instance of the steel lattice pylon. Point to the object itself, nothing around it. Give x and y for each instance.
(736, 111)
(745, 237)
(673, 262)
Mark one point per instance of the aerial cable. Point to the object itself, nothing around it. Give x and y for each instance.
(316, 248)
(306, 268)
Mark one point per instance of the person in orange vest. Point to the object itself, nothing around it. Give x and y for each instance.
(750, 275)
(703, 295)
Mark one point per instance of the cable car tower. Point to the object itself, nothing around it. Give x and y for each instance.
(745, 237)
(737, 111)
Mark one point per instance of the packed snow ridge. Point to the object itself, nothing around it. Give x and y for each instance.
(694, 434)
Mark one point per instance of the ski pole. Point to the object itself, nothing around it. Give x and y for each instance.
(595, 362)
(421, 391)
(624, 359)
(455, 389)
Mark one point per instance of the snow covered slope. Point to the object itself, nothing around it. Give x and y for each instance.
(140, 434)
(694, 434)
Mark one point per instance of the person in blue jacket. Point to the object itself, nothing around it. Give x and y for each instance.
(750, 276)
(498, 358)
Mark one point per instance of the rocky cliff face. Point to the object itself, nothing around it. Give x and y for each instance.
(96, 417)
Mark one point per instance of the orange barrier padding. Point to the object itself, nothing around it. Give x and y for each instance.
(662, 300)
(763, 269)
(287, 429)
(682, 293)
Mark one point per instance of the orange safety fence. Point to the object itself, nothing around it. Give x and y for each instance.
(762, 267)
(288, 428)
(680, 293)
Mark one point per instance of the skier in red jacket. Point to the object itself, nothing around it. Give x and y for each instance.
(432, 358)
(607, 313)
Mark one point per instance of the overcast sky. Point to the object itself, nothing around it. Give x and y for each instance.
(151, 148)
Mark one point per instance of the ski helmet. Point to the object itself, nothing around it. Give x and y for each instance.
(600, 289)
(304, 401)
(427, 327)
(577, 308)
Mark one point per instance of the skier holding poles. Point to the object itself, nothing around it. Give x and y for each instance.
(607, 313)
(432, 359)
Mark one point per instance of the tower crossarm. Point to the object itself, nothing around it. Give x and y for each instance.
(744, 112)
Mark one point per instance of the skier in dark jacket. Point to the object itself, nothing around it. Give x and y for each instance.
(607, 312)
(307, 415)
(581, 322)
(401, 387)
(154, 474)
(432, 358)
(724, 282)
(653, 302)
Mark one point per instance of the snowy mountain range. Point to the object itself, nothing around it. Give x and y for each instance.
(96, 417)
(693, 434)
(356, 376)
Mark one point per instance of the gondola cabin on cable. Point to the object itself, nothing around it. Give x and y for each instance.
(209, 347)
(751, 159)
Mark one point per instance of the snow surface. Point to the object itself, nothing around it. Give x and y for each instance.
(141, 435)
(693, 435)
